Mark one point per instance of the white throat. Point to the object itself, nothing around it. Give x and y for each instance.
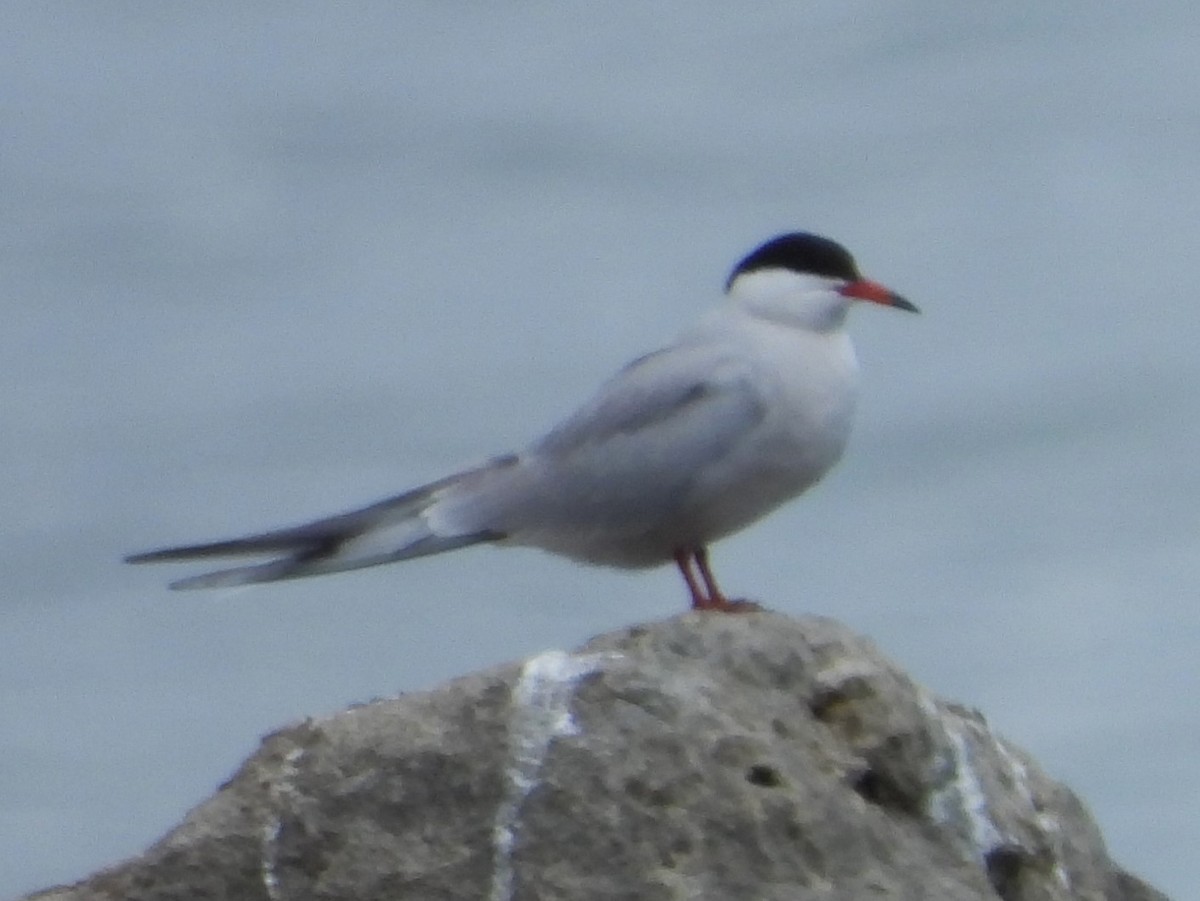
(790, 298)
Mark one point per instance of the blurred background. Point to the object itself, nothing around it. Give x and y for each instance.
(264, 262)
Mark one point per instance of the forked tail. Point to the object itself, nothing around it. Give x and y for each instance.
(398, 528)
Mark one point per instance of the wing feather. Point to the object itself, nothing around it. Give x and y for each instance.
(626, 462)
(708, 391)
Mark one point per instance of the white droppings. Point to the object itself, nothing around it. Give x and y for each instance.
(971, 798)
(541, 712)
(279, 793)
(1047, 822)
(962, 800)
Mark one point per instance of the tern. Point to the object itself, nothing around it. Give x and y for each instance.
(682, 447)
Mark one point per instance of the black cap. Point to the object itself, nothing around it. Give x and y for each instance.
(800, 252)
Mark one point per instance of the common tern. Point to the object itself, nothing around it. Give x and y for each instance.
(682, 447)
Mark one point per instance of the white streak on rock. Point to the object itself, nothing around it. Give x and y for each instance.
(541, 712)
(960, 802)
(280, 792)
(971, 796)
(1046, 821)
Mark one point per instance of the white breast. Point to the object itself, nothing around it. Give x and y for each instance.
(809, 383)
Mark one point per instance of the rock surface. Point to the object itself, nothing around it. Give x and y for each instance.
(705, 757)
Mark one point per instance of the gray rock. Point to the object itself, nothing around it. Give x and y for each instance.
(706, 757)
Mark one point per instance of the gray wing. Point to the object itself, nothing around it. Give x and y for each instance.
(697, 394)
(629, 459)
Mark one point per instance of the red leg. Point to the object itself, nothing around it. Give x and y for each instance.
(716, 600)
(683, 559)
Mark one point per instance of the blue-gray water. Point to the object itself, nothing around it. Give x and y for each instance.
(263, 262)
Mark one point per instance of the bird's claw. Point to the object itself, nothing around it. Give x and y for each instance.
(725, 605)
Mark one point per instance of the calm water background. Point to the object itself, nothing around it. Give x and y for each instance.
(263, 262)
